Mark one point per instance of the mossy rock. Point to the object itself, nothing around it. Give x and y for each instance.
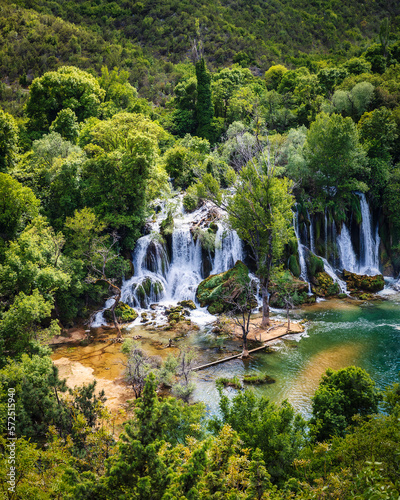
(167, 225)
(298, 297)
(294, 266)
(315, 264)
(189, 304)
(175, 315)
(123, 312)
(363, 282)
(258, 379)
(323, 285)
(212, 292)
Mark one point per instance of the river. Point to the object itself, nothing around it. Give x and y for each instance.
(339, 333)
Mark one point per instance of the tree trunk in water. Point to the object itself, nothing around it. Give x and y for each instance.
(265, 307)
(116, 324)
(288, 318)
(245, 353)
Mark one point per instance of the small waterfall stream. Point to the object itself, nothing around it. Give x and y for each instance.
(348, 259)
(302, 260)
(369, 259)
(228, 249)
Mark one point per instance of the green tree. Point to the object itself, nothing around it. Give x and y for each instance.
(273, 76)
(68, 87)
(38, 392)
(354, 102)
(260, 210)
(275, 430)
(18, 206)
(335, 159)
(66, 124)
(20, 325)
(8, 141)
(378, 132)
(204, 106)
(340, 396)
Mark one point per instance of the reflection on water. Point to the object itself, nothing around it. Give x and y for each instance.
(339, 334)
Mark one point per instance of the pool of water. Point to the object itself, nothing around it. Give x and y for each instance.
(339, 334)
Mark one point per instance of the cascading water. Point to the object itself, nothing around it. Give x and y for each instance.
(302, 260)
(326, 234)
(163, 281)
(184, 273)
(312, 240)
(228, 249)
(329, 270)
(369, 259)
(348, 259)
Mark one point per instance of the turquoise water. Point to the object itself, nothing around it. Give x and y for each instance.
(339, 334)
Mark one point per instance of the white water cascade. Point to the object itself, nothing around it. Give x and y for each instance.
(329, 270)
(369, 258)
(228, 249)
(160, 281)
(302, 260)
(312, 239)
(348, 259)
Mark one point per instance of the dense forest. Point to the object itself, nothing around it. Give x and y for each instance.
(110, 112)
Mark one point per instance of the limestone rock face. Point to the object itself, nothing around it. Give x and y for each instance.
(363, 282)
(124, 313)
(323, 285)
(212, 292)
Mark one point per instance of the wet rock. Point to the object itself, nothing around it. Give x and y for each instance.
(363, 282)
(123, 312)
(217, 290)
(323, 285)
(299, 295)
(188, 304)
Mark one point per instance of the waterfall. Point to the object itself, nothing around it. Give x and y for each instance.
(348, 259)
(312, 241)
(329, 270)
(326, 233)
(161, 280)
(302, 260)
(228, 249)
(369, 258)
(184, 273)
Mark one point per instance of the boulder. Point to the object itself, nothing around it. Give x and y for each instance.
(299, 295)
(363, 282)
(189, 304)
(124, 313)
(323, 285)
(212, 292)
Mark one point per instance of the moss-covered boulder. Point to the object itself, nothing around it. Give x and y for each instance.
(189, 304)
(323, 285)
(363, 282)
(294, 265)
(298, 293)
(315, 265)
(123, 312)
(216, 291)
(146, 289)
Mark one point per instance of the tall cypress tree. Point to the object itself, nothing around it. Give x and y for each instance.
(204, 106)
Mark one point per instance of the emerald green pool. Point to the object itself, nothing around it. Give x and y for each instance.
(339, 334)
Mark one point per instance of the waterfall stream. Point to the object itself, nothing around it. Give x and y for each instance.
(159, 281)
(369, 259)
(162, 277)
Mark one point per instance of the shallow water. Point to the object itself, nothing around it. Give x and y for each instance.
(339, 334)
